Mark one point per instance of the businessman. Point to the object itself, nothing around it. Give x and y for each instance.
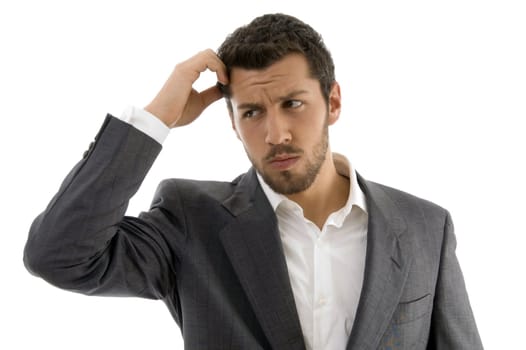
(300, 252)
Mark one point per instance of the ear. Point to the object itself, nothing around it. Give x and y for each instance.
(335, 103)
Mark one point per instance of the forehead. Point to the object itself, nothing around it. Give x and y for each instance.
(290, 72)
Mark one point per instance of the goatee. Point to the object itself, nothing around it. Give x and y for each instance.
(291, 182)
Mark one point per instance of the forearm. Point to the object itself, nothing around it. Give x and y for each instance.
(83, 217)
(83, 241)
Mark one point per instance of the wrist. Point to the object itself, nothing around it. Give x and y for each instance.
(147, 122)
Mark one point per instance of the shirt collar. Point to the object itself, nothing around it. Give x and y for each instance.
(344, 168)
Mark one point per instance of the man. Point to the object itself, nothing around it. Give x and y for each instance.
(300, 252)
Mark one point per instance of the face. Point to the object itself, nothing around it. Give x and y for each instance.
(282, 119)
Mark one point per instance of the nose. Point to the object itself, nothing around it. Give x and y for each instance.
(278, 129)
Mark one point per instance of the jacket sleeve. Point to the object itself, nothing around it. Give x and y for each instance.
(453, 325)
(83, 241)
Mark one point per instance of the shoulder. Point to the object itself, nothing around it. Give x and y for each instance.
(408, 205)
(401, 196)
(195, 191)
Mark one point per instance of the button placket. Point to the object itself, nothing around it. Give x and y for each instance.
(322, 299)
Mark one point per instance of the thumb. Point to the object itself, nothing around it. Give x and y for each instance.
(210, 95)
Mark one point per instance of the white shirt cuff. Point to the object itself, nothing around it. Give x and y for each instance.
(146, 122)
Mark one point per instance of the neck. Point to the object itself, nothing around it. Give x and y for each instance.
(327, 194)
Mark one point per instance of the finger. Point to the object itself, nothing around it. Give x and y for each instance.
(210, 95)
(214, 64)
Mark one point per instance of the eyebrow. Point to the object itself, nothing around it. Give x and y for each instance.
(255, 105)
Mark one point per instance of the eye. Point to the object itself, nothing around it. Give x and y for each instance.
(251, 113)
(292, 104)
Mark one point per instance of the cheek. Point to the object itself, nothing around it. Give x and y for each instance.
(253, 141)
(244, 136)
(313, 125)
(238, 128)
(246, 132)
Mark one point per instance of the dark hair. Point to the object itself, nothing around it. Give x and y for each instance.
(269, 38)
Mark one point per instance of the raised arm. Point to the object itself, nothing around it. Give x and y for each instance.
(83, 241)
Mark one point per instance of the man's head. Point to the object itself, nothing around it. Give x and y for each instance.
(269, 38)
(281, 97)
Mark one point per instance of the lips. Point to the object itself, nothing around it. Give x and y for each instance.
(283, 161)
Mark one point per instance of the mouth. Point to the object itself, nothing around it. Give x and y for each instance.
(283, 161)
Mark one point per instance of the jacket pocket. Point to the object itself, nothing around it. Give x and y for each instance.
(412, 310)
(409, 326)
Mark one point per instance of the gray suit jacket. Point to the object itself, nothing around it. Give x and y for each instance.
(211, 251)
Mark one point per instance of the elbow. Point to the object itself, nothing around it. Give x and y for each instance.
(35, 260)
(40, 257)
(50, 264)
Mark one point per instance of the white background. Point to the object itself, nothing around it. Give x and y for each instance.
(434, 98)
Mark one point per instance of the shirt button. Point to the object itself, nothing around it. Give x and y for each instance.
(322, 301)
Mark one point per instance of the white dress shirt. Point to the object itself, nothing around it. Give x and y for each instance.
(326, 266)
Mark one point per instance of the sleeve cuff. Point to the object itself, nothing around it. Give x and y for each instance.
(146, 122)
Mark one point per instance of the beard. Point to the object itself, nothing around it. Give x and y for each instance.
(291, 182)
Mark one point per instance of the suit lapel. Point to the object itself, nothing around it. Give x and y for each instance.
(387, 264)
(253, 245)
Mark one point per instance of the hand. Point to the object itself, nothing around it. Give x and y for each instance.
(178, 103)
